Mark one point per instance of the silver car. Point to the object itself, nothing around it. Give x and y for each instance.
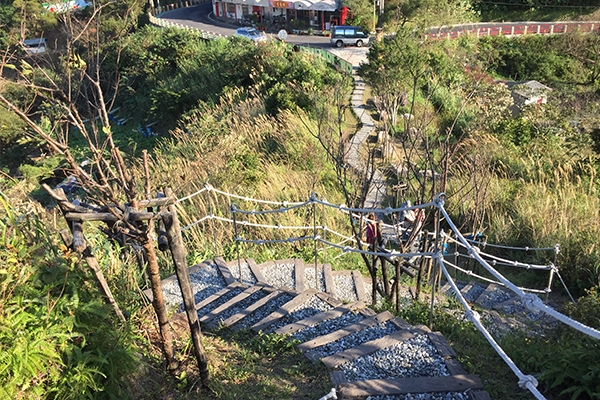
(252, 34)
(348, 36)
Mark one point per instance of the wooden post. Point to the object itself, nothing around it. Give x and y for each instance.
(386, 282)
(397, 283)
(421, 265)
(173, 231)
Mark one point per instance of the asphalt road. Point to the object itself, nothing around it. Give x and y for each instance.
(198, 17)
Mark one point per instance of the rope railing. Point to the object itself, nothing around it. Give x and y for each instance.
(531, 301)
(527, 296)
(525, 381)
(556, 247)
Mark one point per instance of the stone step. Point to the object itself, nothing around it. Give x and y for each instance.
(490, 288)
(284, 310)
(206, 318)
(299, 274)
(224, 269)
(374, 345)
(318, 318)
(400, 386)
(218, 294)
(248, 311)
(256, 270)
(348, 330)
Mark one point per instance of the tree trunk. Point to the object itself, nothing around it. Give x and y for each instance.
(158, 302)
(181, 268)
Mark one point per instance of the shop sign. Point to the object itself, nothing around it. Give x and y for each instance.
(281, 4)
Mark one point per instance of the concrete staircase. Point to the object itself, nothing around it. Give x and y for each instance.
(328, 315)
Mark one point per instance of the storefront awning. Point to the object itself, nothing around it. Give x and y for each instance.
(260, 3)
(323, 5)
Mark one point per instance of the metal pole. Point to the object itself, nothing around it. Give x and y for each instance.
(324, 232)
(315, 239)
(237, 243)
(212, 219)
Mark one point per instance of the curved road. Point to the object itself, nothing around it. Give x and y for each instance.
(199, 17)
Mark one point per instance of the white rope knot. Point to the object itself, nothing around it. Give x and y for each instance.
(526, 248)
(525, 379)
(346, 249)
(473, 316)
(494, 262)
(388, 210)
(553, 267)
(440, 199)
(279, 227)
(238, 239)
(208, 186)
(557, 248)
(285, 203)
(253, 212)
(531, 301)
(317, 237)
(474, 251)
(260, 241)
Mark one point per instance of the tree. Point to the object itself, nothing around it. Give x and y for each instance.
(76, 95)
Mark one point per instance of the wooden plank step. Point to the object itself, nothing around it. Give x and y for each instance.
(330, 299)
(243, 314)
(445, 288)
(284, 310)
(370, 347)
(479, 395)
(260, 278)
(443, 347)
(329, 283)
(338, 377)
(234, 300)
(318, 318)
(215, 296)
(299, 274)
(225, 272)
(508, 302)
(400, 323)
(468, 287)
(359, 285)
(340, 333)
(491, 287)
(367, 312)
(428, 384)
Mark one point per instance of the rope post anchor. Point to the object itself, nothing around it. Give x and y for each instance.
(233, 209)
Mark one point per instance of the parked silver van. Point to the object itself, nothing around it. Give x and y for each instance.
(348, 35)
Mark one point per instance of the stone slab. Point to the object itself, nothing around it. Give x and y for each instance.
(370, 347)
(377, 387)
(340, 333)
(284, 310)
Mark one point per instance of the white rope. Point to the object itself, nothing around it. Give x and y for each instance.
(531, 301)
(192, 195)
(385, 211)
(373, 253)
(485, 244)
(245, 198)
(248, 223)
(525, 381)
(288, 240)
(498, 260)
(279, 210)
(471, 273)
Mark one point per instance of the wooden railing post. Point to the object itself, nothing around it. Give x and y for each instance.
(173, 230)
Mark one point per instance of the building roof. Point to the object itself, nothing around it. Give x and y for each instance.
(527, 88)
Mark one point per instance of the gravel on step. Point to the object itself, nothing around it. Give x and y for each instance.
(264, 311)
(424, 396)
(412, 358)
(280, 275)
(450, 293)
(344, 288)
(369, 294)
(205, 282)
(309, 278)
(328, 326)
(473, 293)
(241, 305)
(312, 307)
(355, 339)
(247, 275)
(219, 301)
(494, 297)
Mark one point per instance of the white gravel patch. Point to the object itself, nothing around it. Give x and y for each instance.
(344, 288)
(355, 339)
(265, 311)
(309, 278)
(205, 282)
(328, 326)
(247, 275)
(312, 307)
(413, 358)
(280, 275)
